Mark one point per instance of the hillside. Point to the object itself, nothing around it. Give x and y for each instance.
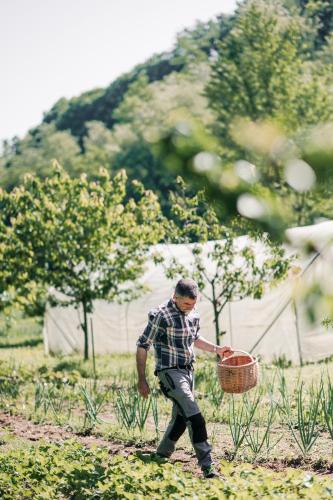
(192, 45)
(204, 78)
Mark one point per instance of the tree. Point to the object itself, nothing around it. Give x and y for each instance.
(82, 238)
(238, 272)
(34, 154)
(234, 191)
(319, 13)
(15, 287)
(261, 72)
(228, 269)
(147, 112)
(153, 108)
(268, 99)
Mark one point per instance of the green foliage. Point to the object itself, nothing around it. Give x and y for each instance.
(149, 111)
(260, 72)
(269, 89)
(141, 115)
(94, 398)
(259, 436)
(72, 365)
(215, 394)
(327, 404)
(320, 14)
(53, 398)
(192, 45)
(240, 419)
(192, 219)
(227, 269)
(269, 61)
(59, 400)
(9, 370)
(16, 329)
(305, 432)
(69, 470)
(198, 43)
(108, 127)
(85, 239)
(9, 387)
(281, 361)
(327, 323)
(260, 75)
(34, 154)
(74, 230)
(132, 409)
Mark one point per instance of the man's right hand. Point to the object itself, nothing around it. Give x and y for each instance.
(143, 388)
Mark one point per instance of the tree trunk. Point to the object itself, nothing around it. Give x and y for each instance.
(217, 325)
(216, 316)
(85, 330)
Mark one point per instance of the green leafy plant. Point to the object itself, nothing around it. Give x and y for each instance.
(240, 418)
(85, 239)
(327, 405)
(54, 398)
(71, 470)
(305, 429)
(258, 435)
(142, 410)
(213, 391)
(227, 269)
(9, 387)
(154, 408)
(94, 398)
(125, 406)
(132, 410)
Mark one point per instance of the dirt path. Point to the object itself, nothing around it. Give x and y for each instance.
(21, 427)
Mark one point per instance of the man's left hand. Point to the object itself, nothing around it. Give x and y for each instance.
(224, 351)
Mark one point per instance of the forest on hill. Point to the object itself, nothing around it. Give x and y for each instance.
(269, 62)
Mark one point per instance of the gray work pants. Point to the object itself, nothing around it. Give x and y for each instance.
(177, 385)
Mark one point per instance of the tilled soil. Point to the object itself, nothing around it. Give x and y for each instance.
(20, 427)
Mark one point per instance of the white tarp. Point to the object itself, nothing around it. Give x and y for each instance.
(116, 327)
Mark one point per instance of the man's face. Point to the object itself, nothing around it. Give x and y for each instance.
(184, 304)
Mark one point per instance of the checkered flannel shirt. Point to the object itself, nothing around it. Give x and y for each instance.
(172, 334)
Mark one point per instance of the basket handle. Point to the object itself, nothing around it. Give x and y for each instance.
(238, 350)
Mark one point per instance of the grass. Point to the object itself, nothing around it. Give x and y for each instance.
(63, 378)
(17, 331)
(35, 365)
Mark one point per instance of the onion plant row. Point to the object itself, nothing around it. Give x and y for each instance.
(253, 418)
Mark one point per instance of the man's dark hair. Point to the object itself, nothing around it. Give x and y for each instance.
(187, 288)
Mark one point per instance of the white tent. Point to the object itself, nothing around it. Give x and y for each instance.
(273, 326)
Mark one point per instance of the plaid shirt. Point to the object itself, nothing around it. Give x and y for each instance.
(172, 334)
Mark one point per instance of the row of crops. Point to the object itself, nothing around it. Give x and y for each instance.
(285, 413)
(71, 470)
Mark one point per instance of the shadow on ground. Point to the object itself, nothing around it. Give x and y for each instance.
(22, 343)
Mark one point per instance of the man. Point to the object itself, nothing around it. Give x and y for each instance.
(173, 329)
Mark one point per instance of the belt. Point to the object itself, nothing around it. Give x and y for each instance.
(178, 367)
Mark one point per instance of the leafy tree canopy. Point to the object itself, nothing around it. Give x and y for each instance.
(265, 63)
(84, 239)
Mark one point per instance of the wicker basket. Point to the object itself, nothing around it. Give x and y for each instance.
(238, 373)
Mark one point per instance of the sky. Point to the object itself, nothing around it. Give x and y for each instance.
(60, 48)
